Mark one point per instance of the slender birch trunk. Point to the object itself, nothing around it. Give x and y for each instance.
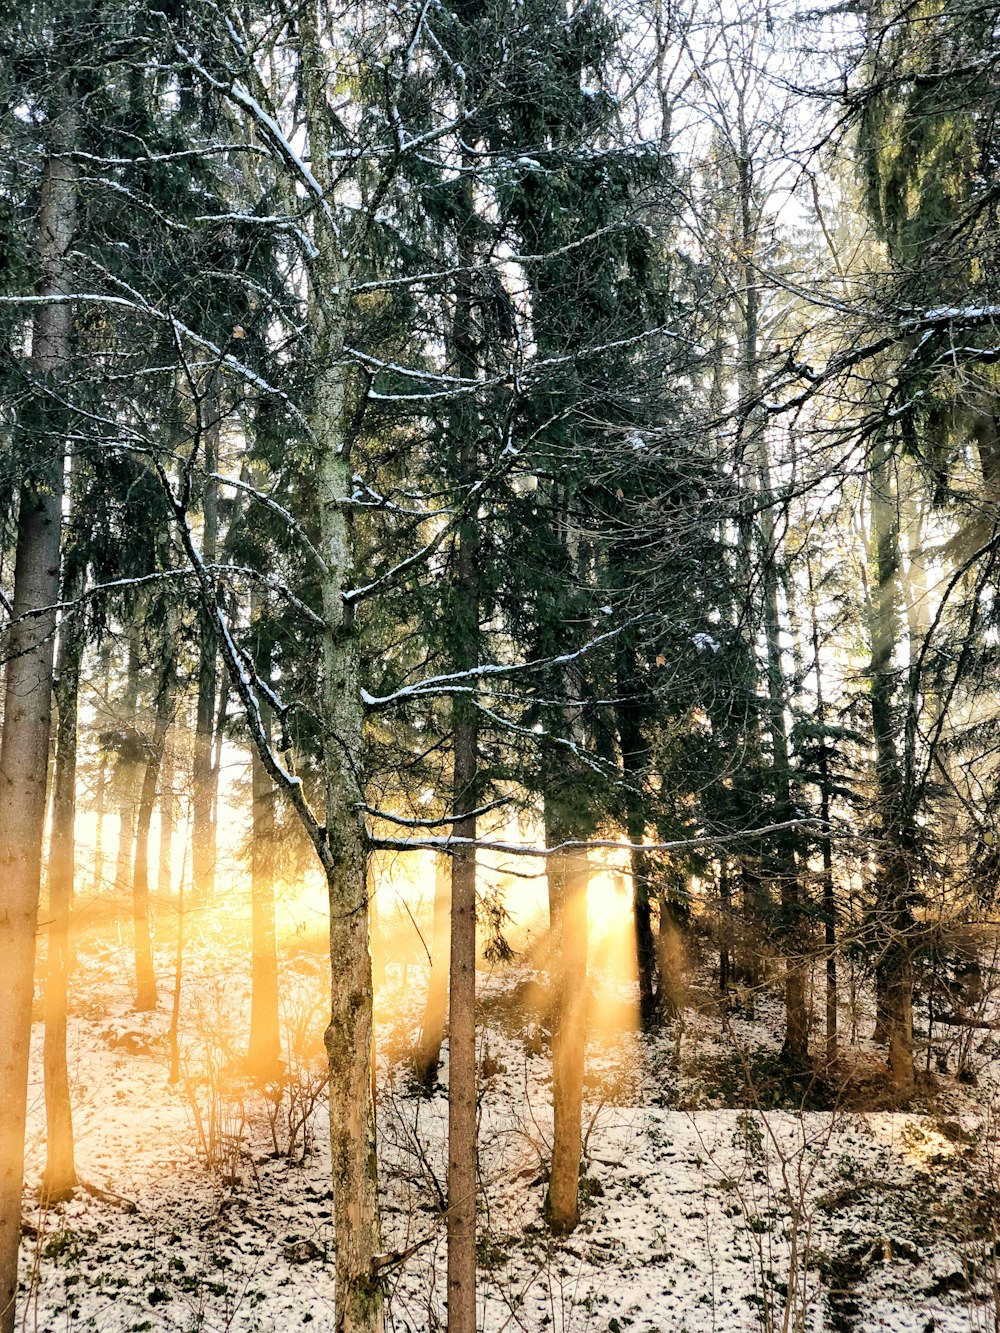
(24, 748)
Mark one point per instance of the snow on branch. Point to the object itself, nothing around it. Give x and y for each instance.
(473, 496)
(464, 680)
(149, 159)
(261, 497)
(451, 844)
(406, 822)
(246, 681)
(269, 581)
(441, 275)
(270, 129)
(137, 305)
(73, 605)
(564, 742)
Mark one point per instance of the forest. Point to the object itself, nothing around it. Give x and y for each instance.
(500, 620)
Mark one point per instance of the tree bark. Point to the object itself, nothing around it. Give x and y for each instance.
(826, 837)
(349, 1037)
(264, 1048)
(342, 844)
(462, 1080)
(462, 1069)
(24, 748)
(567, 880)
(145, 973)
(672, 953)
(100, 800)
(202, 769)
(894, 869)
(59, 1180)
(726, 903)
(462, 1073)
(634, 752)
(101, 788)
(428, 1056)
(126, 775)
(790, 932)
(168, 821)
(796, 1043)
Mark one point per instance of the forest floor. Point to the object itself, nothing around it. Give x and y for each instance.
(715, 1193)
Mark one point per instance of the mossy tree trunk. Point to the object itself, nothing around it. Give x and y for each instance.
(342, 843)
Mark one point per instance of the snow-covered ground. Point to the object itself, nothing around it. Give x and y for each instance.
(202, 1212)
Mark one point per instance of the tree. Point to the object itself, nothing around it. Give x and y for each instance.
(264, 1044)
(60, 1170)
(28, 649)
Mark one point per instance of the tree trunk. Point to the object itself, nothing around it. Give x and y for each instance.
(462, 1070)
(826, 837)
(145, 974)
(462, 1081)
(428, 1056)
(101, 786)
(349, 1036)
(791, 935)
(219, 740)
(127, 772)
(264, 1048)
(168, 821)
(567, 879)
(341, 843)
(60, 1174)
(893, 880)
(24, 749)
(634, 752)
(100, 799)
(726, 903)
(672, 953)
(202, 769)
(645, 945)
